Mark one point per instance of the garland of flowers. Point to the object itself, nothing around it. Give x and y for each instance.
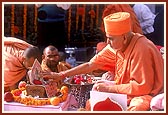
(91, 18)
(35, 18)
(24, 21)
(97, 15)
(20, 96)
(83, 18)
(77, 17)
(69, 24)
(12, 19)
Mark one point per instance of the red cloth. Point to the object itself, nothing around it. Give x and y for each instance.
(159, 47)
(107, 105)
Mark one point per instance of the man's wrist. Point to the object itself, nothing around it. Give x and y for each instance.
(52, 74)
(62, 75)
(111, 89)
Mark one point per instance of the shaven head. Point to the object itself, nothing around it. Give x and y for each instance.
(50, 48)
(51, 57)
(32, 52)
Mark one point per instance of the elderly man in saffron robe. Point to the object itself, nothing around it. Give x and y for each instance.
(19, 56)
(135, 60)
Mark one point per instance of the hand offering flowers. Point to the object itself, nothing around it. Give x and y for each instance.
(51, 75)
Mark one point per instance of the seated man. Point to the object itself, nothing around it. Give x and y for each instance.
(19, 56)
(52, 62)
(136, 75)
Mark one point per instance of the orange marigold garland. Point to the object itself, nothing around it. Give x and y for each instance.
(77, 17)
(83, 18)
(31, 101)
(91, 17)
(28, 100)
(12, 19)
(97, 15)
(69, 24)
(24, 21)
(16, 29)
(35, 18)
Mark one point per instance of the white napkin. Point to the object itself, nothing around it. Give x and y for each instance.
(157, 102)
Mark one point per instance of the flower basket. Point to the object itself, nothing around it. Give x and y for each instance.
(80, 91)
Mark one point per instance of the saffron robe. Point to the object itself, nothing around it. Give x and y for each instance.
(139, 70)
(13, 51)
(62, 66)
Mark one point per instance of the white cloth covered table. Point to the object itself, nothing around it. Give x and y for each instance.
(64, 106)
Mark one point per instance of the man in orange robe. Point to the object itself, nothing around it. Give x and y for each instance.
(137, 63)
(19, 56)
(52, 61)
(137, 75)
